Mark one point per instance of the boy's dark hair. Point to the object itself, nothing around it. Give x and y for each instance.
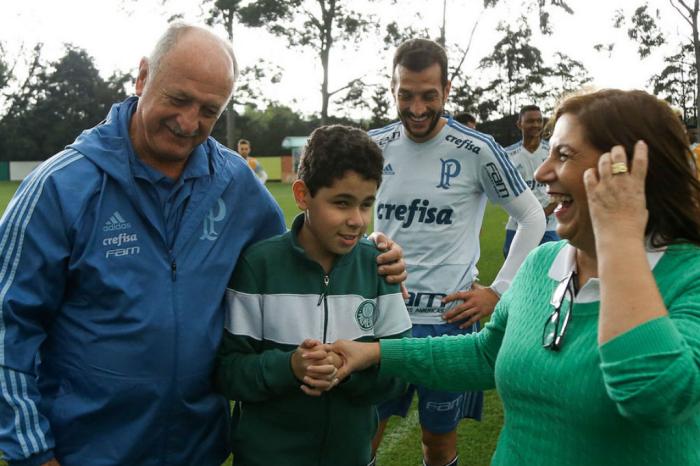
(527, 108)
(419, 54)
(333, 150)
(465, 118)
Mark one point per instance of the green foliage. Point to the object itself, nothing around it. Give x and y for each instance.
(254, 80)
(16, 92)
(382, 107)
(316, 24)
(267, 128)
(223, 12)
(543, 9)
(566, 76)
(519, 68)
(395, 34)
(645, 31)
(67, 97)
(677, 82)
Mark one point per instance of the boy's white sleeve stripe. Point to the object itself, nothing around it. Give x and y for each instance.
(393, 316)
(243, 314)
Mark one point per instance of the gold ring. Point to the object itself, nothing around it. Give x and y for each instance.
(619, 167)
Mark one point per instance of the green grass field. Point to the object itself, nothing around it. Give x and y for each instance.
(401, 446)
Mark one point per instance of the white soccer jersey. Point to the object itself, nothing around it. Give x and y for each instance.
(432, 200)
(526, 163)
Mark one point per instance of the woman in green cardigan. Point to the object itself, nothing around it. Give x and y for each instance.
(595, 348)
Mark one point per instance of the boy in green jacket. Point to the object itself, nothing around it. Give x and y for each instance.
(292, 293)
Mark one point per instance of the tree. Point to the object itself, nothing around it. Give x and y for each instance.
(542, 10)
(319, 24)
(249, 89)
(17, 91)
(649, 35)
(566, 76)
(68, 96)
(225, 12)
(690, 16)
(265, 128)
(519, 70)
(382, 107)
(676, 82)
(645, 31)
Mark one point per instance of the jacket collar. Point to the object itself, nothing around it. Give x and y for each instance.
(297, 224)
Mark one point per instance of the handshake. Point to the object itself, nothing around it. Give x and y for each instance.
(320, 367)
(317, 366)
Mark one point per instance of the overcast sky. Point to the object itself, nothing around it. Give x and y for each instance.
(117, 38)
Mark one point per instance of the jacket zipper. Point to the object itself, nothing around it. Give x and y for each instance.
(326, 401)
(323, 299)
(173, 265)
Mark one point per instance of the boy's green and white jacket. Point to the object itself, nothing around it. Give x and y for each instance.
(278, 297)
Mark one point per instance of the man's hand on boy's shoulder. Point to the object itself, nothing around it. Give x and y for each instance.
(391, 263)
(315, 367)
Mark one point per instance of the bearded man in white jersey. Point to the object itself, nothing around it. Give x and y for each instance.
(526, 156)
(438, 175)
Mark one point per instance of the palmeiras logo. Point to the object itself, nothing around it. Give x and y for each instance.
(366, 314)
(215, 215)
(449, 169)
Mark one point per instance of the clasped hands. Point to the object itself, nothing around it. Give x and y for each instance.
(323, 366)
(316, 366)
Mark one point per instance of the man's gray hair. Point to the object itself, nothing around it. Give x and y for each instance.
(172, 36)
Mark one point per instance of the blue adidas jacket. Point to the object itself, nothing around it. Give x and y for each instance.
(107, 335)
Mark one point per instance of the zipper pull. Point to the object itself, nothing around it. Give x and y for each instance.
(326, 279)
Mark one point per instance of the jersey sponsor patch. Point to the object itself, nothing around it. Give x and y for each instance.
(418, 210)
(466, 143)
(386, 139)
(425, 302)
(496, 180)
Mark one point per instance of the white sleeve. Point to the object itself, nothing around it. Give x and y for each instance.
(260, 172)
(527, 211)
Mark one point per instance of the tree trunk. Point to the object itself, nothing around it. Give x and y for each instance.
(230, 115)
(230, 125)
(325, 97)
(442, 40)
(696, 48)
(327, 16)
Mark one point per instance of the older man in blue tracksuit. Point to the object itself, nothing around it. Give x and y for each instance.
(114, 255)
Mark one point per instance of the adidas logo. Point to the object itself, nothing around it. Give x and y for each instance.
(388, 170)
(116, 222)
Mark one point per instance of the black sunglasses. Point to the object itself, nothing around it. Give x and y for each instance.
(558, 321)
